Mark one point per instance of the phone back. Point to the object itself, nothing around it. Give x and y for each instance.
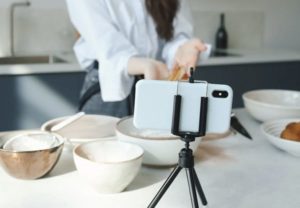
(154, 105)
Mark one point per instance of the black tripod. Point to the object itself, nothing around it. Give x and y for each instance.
(186, 158)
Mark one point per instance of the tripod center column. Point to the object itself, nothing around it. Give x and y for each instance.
(186, 158)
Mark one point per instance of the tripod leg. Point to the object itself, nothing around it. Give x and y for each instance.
(165, 187)
(192, 187)
(199, 188)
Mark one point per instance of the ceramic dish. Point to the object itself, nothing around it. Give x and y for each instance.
(108, 166)
(266, 105)
(88, 128)
(27, 158)
(161, 148)
(272, 131)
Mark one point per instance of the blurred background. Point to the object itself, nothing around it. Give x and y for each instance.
(263, 52)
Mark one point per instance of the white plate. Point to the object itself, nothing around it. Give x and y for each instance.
(87, 128)
(272, 131)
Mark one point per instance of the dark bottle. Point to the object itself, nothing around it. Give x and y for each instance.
(221, 36)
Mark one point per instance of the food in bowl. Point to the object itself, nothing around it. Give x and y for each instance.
(27, 156)
(269, 104)
(108, 166)
(291, 132)
(161, 147)
(31, 142)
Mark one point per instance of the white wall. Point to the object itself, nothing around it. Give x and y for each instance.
(280, 18)
(250, 23)
(37, 3)
(42, 28)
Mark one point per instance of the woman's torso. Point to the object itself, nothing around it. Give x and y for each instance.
(130, 17)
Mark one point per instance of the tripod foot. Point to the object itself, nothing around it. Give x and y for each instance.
(199, 188)
(165, 187)
(192, 186)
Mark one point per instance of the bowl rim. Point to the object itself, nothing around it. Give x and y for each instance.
(117, 129)
(47, 123)
(61, 142)
(244, 96)
(75, 154)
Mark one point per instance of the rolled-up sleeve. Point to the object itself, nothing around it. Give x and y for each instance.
(183, 31)
(112, 49)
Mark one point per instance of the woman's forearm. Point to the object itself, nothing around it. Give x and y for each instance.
(150, 68)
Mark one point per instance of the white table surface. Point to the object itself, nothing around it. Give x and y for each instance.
(234, 172)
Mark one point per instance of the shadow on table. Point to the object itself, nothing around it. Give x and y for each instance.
(209, 150)
(65, 164)
(148, 176)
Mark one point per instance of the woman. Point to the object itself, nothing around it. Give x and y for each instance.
(121, 39)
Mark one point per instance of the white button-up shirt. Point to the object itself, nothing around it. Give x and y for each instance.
(112, 31)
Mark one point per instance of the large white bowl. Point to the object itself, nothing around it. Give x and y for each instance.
(86, 129)
(266, 105)
(161, 148)
(108, 166)
(272, 131)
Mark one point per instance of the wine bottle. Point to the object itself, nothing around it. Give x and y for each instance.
(221, 35)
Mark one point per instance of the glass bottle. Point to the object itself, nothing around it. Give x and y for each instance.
(221, 35)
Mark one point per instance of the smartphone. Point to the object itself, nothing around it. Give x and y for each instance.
(154, 101)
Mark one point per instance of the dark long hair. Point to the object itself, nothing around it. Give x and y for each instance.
(163, 13)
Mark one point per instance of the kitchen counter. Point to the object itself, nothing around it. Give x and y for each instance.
(25, 69)
(240, 56)
(69, 66)
(234, 172)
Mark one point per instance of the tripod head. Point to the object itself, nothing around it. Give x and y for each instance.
(185, 135)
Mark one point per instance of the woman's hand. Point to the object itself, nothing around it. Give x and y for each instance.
(187, 54)
(150, 68)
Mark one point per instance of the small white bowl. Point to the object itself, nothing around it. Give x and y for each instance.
(108, 166)
(272, 131)
(161, 148)
(269, 104)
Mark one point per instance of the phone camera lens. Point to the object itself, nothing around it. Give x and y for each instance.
(220, 94)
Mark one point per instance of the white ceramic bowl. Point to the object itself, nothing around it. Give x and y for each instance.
(266, 105)
(272, 131)
(161, 148)
(108, 166)
(86, 129)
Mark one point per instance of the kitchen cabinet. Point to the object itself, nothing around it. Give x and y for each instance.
(250, 76)
(31, 99)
